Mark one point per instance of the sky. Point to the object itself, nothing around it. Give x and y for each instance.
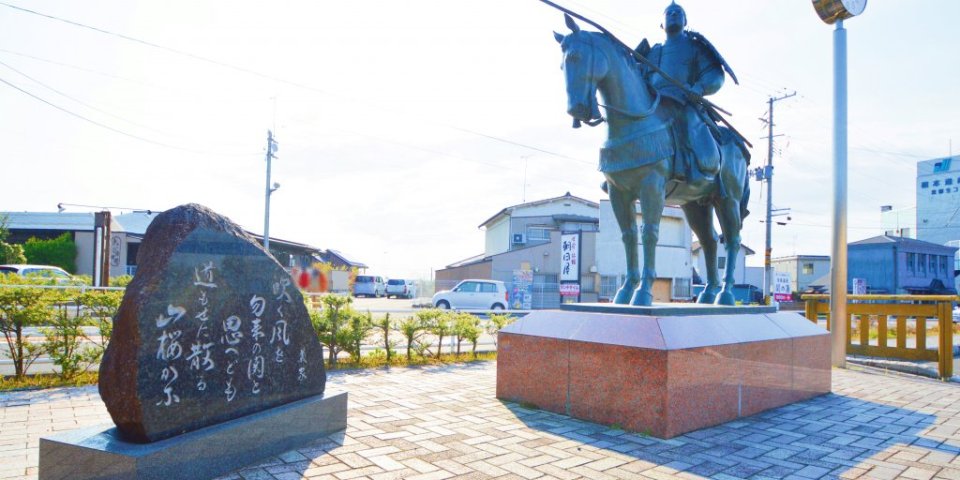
(404, 125)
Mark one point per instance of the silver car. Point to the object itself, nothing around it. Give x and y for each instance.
(400, 288)
(479, 294)
(369, 286)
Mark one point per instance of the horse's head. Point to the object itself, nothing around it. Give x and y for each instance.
(584, 67)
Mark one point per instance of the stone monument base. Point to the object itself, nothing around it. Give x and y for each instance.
(663, 375)
(97, 452)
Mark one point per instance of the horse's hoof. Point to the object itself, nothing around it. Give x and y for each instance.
(642, 299)
(623, 296)
(706, 297)
(725, 298)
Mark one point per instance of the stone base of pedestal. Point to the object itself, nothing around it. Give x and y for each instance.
(98, 453)
(661, 375)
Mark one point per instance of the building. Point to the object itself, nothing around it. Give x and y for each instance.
(938, 200)
(126, 234)
(524, 241)
(674, 260)
(804, 270)
(338, 259)
(544, 262)
(743, 274)
(529, 224)
(899, 265)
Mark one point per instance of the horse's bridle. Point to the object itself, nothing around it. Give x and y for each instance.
(634, 115)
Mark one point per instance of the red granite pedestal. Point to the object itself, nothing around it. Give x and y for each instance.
(661, 375)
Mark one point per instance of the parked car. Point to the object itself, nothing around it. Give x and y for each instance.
(399, 287)
(42, 271)
(473, 294)
(369, 286)
(956, 314)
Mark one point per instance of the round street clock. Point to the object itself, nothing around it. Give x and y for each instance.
(832, 10)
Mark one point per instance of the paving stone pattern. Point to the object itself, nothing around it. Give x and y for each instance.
(444, 422)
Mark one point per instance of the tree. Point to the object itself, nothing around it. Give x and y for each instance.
(22, 307)
(330, 323)
(60, 251)
(497, 322)
(384, 325)
(466, 326)
(439, 323)
(359, 329)
(9, 253)
(412, 330)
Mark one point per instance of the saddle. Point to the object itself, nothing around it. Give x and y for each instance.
(697, 146)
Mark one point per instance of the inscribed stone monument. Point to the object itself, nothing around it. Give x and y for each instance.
(210, 329)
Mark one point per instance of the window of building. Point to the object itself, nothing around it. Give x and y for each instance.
(538, 233)
(924, 184)
(936, 183)
(808, 269)
(933, 192)
(609, 285)
(933, 265)
(721, 263)
(948, 181)
(939, 191)
(912, 263)
(922, 263)
(943, 265)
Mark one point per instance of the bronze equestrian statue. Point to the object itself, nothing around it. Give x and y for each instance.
(662, 144)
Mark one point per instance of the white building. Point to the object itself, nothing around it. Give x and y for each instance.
(938, 200)
(529, 224)
(674, 262)
(743, 275)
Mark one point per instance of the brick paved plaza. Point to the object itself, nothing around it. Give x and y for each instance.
(444, 422)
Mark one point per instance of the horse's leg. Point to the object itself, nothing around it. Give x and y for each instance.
(622, 203)
(700, 218)
(733, 176)
(651, 194)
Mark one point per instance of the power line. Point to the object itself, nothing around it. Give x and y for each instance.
(108, 127)
(269, 77)
(62, 94)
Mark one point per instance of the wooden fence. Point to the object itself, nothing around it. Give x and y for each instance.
(905, 319)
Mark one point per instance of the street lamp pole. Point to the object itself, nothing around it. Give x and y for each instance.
(838, 265)
(271, 147)
(835, 12)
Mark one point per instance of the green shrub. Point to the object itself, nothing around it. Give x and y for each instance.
(331, 323)
(412, 330)
(60, 251)
(22, 307)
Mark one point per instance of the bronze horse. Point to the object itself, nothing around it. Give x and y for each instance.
(636, 161)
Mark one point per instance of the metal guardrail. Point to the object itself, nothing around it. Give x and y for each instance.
(871, 314)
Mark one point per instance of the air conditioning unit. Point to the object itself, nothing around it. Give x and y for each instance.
(519, 239)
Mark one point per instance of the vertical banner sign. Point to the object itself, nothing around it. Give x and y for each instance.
(521, 295)
(859, 286)
(570, 265)
(781, 287)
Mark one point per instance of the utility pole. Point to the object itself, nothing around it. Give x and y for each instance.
(271, 147)
(767, 174)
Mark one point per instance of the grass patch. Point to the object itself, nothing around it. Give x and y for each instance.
(46, 380)
(50, 380)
